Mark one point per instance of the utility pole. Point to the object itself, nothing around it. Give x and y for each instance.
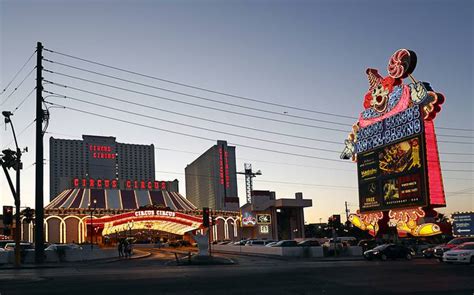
(39, 203)
(249, 175)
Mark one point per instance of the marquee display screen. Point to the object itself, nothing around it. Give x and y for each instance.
(393, 176)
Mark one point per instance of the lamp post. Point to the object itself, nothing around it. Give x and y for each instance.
(92, 228)
(12, 159)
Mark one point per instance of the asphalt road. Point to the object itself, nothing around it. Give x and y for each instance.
(251, 275)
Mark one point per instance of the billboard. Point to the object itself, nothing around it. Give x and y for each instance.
(463, 224)
(393, 176)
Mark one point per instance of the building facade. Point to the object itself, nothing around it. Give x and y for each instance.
(97, 157)
(211, 179)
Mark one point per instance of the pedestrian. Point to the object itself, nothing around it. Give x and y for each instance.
(120, 248)
(128, 249)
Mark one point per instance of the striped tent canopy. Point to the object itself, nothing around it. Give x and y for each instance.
(119, 199)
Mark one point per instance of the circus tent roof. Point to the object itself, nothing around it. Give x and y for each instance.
(119, 199)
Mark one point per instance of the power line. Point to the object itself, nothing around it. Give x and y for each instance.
(268, 181)
(200, 88)
(23, 100)
(18, 86)
(208, 107)
(194, 136)
(270, 162)
(17, 73)
(216, 101)
(193, 126)
(20, 133)
(191, 116)
(209, 139)
(198, 97)
(213, 130)
(218, 92)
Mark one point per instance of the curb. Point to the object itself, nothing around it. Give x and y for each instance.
(72, 264)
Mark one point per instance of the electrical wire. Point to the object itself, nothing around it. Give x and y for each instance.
(193, 126)
(194, 136)
(218, 92)
(174, 100)
(201, 97)
(18, 86)
(208, 107)
(23, 101)
(20, 133)
(209, 139)
(201, 88)
(17, 73)
(129, 101)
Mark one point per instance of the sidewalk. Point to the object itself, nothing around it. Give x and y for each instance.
(138, 254)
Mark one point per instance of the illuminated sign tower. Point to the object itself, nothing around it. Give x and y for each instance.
(394, 146)
(211, 179)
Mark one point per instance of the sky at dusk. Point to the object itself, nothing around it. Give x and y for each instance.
(308, 54)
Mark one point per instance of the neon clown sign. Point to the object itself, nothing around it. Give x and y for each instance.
(395, 148)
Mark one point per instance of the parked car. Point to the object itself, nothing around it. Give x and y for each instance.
(340, 240)
(56, 247)
(439, 250)
(383, 252)
(367, 244)
(257, 242)
(428, 252)
(464, 253)
(271, 244)
(286, 243)
(240, 243)
(309, 243)
(4, 242)
(224, 242)
(23, 247)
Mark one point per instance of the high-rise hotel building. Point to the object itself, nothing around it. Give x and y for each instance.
(211, 179)
(97, 157)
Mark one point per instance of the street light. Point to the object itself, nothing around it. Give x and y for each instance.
(11, 159)
(92, 211)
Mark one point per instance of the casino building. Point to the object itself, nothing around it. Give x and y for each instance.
(104, 197)
(97, 157)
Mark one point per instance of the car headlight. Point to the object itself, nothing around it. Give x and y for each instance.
(375, 252)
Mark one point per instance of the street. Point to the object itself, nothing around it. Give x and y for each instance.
(155, 275)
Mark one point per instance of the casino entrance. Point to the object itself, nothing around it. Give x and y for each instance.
(143, 226)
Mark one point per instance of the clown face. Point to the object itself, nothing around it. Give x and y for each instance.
(379, 98)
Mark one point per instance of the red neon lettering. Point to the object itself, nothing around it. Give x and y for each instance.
(142, 184)
(156, 185)
(84, 182)
(128, 184)
(76, 182)
(114, 183)
(99, 183)
(149, 185)
(135, 184)
(109, 149)
(107, 183)
(91, 182)
(94, 155)
(163, 185)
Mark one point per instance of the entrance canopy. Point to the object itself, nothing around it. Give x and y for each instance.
(169, 221)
